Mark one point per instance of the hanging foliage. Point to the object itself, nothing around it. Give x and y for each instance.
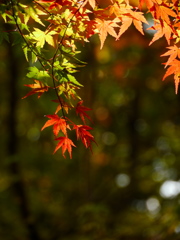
(49, 31)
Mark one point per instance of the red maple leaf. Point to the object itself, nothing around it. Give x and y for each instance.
(80, 110)
(59, 3)
(56, 4)
(38, 87)
(66, 145)
(83, 134)
(59, 124)
(175, 3)
(90, 27)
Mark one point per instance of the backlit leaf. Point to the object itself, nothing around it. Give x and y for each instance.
(38, 87)
(173, 53)
(174, 68)
(85, 136)
(66, 144)
(81, 111)
(59, 124)
(104, 28)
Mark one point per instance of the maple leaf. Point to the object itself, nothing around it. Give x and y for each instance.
(163, 29)
(80, 110)
(59, 124)
(173, 53)
(149, 3)
(66, 145)
(38, 87)
(34, 14)
(174, 69)
(104, 27)
(55, 3)
(126, 23)
(41, 37)
(175, 3)
(69, 90)
(162, 11)
(63, 105)
(83, 134)
(90, 28)
(136, 18)
(116, 9)
(59, 3)
(176, 36)
(92, 3)
(119, 8)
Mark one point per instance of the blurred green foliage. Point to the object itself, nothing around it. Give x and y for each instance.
(116, 193)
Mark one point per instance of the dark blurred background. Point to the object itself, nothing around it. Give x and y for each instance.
(128, 189)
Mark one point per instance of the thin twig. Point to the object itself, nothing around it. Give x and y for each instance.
(54, 57)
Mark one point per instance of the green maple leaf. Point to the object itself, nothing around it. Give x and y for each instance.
(41, 37)
(34, 14)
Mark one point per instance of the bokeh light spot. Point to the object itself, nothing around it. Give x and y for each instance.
(170, 189)
(153, 205)
(122, 180)
(109, 138)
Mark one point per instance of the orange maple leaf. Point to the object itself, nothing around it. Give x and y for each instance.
(63, 105)
(119, 9)
(162, 11)
(92, 3)
(66, 145)
(38, 87)
(163, 29)
(104, 27)
(174, 69)
(83, 134)
(136, 18)
(149, 3)
(59, 124)
(173, 53)
(80, 110)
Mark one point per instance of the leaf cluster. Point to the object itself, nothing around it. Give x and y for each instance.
(49, 31)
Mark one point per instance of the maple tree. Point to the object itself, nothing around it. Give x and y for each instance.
(48, 32)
